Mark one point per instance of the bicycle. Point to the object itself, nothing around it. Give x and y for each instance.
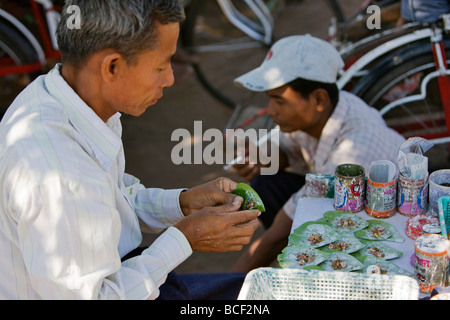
(27, 44)
(407, 79)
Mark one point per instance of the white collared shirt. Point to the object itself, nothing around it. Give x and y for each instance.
(355, 133)
(69, 212)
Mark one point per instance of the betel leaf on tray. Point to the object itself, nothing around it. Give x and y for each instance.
(347, 243)
(342, 221)
(379, 230)
(299, 256)
(377, 249)
(379, 266)
(313, 234)
(339, 261)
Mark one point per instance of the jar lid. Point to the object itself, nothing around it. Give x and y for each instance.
(432, 228)
(431, 245)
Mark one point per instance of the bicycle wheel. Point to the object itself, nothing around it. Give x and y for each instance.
(396, 81)
(220, 46)
(14, 51)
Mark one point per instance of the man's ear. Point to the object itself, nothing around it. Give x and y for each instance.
(111, 66)
(321, 98)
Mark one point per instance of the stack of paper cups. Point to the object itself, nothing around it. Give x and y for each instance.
(381, 189)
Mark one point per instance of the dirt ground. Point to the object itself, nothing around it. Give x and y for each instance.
(147, 139)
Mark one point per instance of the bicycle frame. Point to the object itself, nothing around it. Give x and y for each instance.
(52, 18)
(50, 48)
(442, 73)
(261, 34)
(356, 69)
(250, 28)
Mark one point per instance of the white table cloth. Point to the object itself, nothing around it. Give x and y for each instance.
(311, 209)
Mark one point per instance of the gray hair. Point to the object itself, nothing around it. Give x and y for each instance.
(127, 26)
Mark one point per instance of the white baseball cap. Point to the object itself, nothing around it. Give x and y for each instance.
(294, 57)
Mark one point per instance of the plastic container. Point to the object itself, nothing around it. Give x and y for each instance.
(431, 262)
(415, 225)
(297, 284)
(444, 215)
(381, 189)
(439, 186)
(412, 196)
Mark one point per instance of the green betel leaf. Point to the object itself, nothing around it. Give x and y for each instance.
(313, 268)
(342, 221)
(379, 230)
(298, 256)
(377, 249)
(346, 243)
(313, 234)
(379, 266)
(251, 198)
(338, 261)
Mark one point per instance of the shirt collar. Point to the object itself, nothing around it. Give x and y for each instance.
(331, 131)
(103, 138)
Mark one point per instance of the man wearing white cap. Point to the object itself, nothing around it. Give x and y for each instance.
(321, 127)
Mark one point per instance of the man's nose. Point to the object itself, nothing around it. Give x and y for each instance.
(271, 110)
(169, 79)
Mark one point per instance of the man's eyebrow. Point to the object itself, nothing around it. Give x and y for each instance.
(168, 59)
(276, 96)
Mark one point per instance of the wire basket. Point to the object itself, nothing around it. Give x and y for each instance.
(444, 215)
(297, 284)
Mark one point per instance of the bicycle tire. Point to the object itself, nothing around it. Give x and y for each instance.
(189, 42)
(14, 46)
(399, 76)
(207, 27)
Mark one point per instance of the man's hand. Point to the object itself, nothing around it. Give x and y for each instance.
(211, 194)
(214, 222)
(214, 229)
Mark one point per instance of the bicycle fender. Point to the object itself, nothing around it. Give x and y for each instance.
(400, 56)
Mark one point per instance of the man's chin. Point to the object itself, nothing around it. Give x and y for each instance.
(284, 128)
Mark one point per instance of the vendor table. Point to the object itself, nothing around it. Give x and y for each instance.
(311, 209)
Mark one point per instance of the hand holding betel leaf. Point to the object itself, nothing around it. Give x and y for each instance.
(251, 198)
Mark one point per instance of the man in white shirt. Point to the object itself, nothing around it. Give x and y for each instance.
(321, 127)
(68, 211)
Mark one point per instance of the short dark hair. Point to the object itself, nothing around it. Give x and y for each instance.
(127, 26)
(306, 87)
